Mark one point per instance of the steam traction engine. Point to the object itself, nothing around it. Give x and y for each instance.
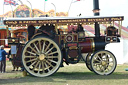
(49, 46)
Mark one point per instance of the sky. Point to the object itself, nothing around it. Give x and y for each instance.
(85, 7)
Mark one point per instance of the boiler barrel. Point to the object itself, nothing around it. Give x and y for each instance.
(91, 45)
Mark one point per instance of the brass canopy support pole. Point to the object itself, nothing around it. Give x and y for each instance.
(7, 31)
(120, 26)
(56, 28)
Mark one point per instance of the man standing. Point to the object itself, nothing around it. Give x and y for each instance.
(2, 59)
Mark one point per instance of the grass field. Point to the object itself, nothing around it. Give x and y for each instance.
(76, 74)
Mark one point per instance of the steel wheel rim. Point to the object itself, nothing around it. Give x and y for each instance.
(41, 57)
(88, 58)
(103, 63)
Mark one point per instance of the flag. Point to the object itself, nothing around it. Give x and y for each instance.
(10, 2)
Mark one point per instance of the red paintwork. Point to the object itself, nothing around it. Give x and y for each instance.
(86, 46)
(72, 44)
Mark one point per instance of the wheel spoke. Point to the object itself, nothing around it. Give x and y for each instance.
(101, 54)
(47, 67)
(103, 68)
(51, 56)
(31, 53)
(96, 66)
(32, 64)
(39, 46)
(110, 65)
(52, 61)
(31, 60)
(47, 47)
(30, 56)
(49, 50)
(100, 66)
(33, 50)
(108, 69)
(49, 63)
(52, 53)
(39, 67)
(106, 55)
(43, 47)
(36, 48)
(36, 65)
(98, 63)
(43, 66)
(99, 58)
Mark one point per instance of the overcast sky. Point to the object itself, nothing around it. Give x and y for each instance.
(85, 7)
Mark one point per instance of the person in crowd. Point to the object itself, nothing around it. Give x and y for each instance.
(11, 58)
(3, 54)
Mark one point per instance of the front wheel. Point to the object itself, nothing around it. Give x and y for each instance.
(41, 57)
(103, 62)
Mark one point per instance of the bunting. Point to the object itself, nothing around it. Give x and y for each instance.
(10, 2)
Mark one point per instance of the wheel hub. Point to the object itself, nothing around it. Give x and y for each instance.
(103, 63)
(42, 56)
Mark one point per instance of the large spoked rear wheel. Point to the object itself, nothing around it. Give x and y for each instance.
(41, 57)
(103, 62)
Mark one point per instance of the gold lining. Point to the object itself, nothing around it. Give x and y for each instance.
(92, 45)
(13, 42)
(73, 47)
